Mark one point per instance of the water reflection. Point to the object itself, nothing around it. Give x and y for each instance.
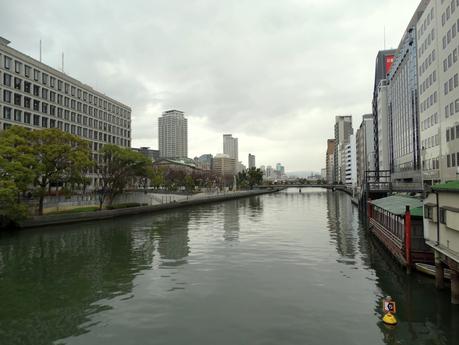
(170, 230)
(341, 224)
(231, 219)
(416, 297)
(61, 277)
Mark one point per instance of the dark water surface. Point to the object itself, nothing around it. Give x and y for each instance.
(286, 268)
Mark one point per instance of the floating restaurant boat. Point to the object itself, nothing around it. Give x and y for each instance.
(397, 221)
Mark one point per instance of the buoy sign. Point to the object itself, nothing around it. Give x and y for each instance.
(390, 307)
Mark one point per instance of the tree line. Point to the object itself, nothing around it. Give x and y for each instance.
(32, 163)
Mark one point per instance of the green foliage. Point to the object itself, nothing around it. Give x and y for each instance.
(120, 168)
(36, 160)
(157, 178)
(11, 210)
(249, 178)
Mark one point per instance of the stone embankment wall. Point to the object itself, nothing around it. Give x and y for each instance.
(66, 218)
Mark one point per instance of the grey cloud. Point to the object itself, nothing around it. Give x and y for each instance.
(277, 70)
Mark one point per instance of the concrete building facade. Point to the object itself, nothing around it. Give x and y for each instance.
(350, 178)
(152, 155)
(173, 135)
(330, 161)
(384, 61)
(343, 130)
(438, 69)
(231, 146)
(251, 161)
(382, 156)
(224, 165)
(36, 96)
(403, 105)
(365, 148)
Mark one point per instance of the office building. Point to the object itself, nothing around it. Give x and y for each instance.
(438, 69)
(36, 96)
(384, 60)
(382, 134)
(152, 155)
(230, 146)
(343, 130)
(365, 149)
(224, 165)
(173, 135)
(251, 161)
(350, 178)
(330, 161)
(402, 92)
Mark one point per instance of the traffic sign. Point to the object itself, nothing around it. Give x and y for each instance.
(390, 307)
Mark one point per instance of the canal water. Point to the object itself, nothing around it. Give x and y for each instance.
(285, 268)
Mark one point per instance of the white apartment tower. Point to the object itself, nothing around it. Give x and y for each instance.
(37, 96)
(173, 135)
(251, 161)
(438, 71)
(230, 146)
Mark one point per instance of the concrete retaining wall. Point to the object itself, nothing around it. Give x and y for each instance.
(67, 218)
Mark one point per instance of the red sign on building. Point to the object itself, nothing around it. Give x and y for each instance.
(389, 62)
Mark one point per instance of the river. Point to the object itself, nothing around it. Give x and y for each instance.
(284, 268)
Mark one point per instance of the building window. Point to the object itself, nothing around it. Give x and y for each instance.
(27, 117)
(27, 70)
(7, 79)
(7, 62)
(36, 105)
(36, 90)
(52, 82)
(6, 96)
(7, 113)
(36, 75)
(17, 67)
(59, 85)
(44, 79)
(442, 215)
(428, 212)
(27, 102)
(17, 115)
(17, 99)
(27, 87)
(36, 120)
(44, 122)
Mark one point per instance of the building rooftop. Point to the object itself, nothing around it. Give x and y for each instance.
(451, 186)
(396, 204)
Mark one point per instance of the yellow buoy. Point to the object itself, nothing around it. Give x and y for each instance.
(389, 319)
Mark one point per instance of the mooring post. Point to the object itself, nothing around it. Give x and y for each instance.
(439, 272)
(408, 239)
(370, 208)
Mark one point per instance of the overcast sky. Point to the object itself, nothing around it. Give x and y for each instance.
(274, 73)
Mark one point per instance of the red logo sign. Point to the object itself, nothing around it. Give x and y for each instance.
(389, 62)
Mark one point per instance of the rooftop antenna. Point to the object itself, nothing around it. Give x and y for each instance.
(62, 62)
(384, 37)
(40, 50)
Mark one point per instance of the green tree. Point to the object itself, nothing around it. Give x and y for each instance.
(157, 178)
(120, 167)
(11, 210)
(254, 177)
(37, 160)
(62, 160)
(189, 183)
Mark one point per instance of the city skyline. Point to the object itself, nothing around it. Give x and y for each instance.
(224, 88)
